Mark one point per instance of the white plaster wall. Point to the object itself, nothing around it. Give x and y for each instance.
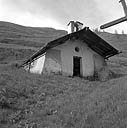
(99, 62)
(52, 62)
(67, 53)
(37, 65)
(60, 60)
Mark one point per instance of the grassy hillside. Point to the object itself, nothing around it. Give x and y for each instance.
(10, 55)
(40, 101)
(117, 40)
(11, 33)
(29, 36)
(36, 101)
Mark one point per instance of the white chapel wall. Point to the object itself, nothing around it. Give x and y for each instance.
(60, 60)
(99, 62)
(88, 62)
(36, 66)
(52, 62)
(67, 53)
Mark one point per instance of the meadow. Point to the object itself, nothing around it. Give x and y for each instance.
(55, 101)
(39, 101)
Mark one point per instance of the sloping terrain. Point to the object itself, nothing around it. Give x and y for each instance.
(29, 36)
(32, 38)
(117, 40)
(11, 33)
(39, 101)
(35, 101)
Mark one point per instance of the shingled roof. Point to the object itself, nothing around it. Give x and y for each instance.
(93, 41)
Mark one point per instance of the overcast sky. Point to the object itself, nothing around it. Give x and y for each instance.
(57, 13)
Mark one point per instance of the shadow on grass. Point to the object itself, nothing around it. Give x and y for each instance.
(111, 75)
(114, 75)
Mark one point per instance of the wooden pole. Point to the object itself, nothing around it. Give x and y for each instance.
(113, 22)
(29, 66)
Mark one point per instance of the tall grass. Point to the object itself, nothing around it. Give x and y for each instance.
(28, 100)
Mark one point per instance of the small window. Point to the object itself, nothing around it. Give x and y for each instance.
(77, 49)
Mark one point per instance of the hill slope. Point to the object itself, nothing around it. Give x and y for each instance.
(117, 40)
(36, 101)
(15, 37)
(28, 100)
(37, 36)
(30, 36)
